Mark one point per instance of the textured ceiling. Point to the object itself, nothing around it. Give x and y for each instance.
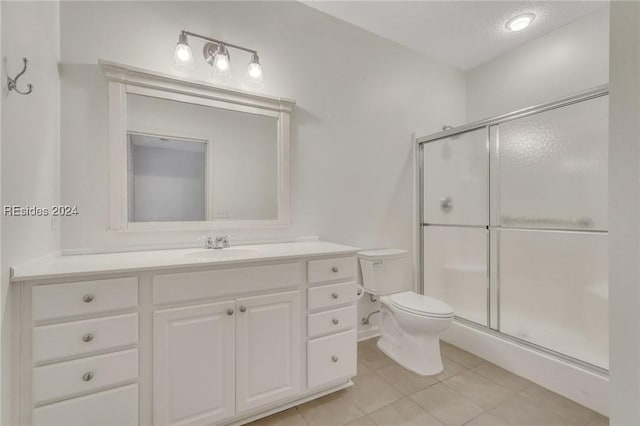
(463, 34)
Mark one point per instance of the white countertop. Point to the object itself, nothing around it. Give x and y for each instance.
(108, 263)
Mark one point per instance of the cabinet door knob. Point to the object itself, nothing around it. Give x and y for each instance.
(335, 321)
(87, 337)
(334, 358)
(88, 376)
(229, 311)
(243, 309)
(87, 298)
(334, 295)
(334, 269)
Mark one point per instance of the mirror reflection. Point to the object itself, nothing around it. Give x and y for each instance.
(189, 162)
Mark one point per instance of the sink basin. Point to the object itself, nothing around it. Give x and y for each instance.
(225, 253)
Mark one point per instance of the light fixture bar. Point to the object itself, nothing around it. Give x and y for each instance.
(213, 40)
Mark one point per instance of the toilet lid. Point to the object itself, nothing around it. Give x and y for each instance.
(421, 305)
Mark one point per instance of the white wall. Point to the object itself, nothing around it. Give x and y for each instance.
(568, 60)
(624, 214)
(30, 144)
(359, 98)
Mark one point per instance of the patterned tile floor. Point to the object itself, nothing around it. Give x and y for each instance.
(470, 391)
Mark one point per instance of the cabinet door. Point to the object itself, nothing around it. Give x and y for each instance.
(268, 349)
(194, 364)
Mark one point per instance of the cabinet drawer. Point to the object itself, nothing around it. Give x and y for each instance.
(331, 358)
(339, 268)
(86, 297)
(331, 321)
(83, 375)
(327, 296)
(51, 342)
(109, 408)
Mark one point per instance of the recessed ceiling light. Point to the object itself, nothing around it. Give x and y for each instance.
(520, 22)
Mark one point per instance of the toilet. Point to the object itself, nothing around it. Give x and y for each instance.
(410, 323)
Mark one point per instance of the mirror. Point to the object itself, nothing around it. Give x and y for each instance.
(189, 155)
(204, 164)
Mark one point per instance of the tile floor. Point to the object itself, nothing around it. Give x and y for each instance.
(470, 391)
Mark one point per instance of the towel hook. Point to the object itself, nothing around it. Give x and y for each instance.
(12, 83)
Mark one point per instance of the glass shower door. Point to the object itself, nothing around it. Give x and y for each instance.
(455, 221)
(554, 293)
(549, 218)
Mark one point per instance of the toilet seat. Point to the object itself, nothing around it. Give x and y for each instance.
(418, 304)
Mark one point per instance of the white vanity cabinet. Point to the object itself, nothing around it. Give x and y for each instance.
(218, 343)
(80, 352)
(194, 364)
(332, 314)
(267, 349)
(215, 359)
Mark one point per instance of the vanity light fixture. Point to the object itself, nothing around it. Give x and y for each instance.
(520, 22)
(216, 54)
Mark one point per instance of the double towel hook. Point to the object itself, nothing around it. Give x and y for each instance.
(12, 83)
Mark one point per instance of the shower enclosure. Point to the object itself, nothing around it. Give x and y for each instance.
(513, 226)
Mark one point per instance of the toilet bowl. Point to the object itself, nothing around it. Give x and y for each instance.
(410, 323)
(411, 336)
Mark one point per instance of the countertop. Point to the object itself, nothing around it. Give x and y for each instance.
(109, 263)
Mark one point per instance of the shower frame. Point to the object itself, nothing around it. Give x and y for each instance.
(493, 288)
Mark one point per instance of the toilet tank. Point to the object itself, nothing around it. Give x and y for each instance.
(385, 271)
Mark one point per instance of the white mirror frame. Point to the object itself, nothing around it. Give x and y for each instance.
(123, 80)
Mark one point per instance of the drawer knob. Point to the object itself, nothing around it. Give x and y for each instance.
(334, 269)
(243, 309)
(335, 321)
(88, 376)
(87, 298)
(334, 295)
(334, 358)
(87, 337)
(229, 311)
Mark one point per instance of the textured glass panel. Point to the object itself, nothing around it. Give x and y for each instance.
(553, 168)
(455, 269)
(456, 178)
(554, 291)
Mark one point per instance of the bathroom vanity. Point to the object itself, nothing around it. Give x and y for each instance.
(186, 336)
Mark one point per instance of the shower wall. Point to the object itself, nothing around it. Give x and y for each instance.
(515, 227)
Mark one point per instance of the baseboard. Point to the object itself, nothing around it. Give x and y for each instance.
(261, 412)
(576, 383)
(368, 333)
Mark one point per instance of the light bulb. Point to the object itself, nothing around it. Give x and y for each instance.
(520, 22)
(183, 56)
(221, 62)
(254, 72)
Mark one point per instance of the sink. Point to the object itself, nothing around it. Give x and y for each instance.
(225, 253)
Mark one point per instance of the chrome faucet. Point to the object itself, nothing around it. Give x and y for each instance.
(208, 243)
(217, 243)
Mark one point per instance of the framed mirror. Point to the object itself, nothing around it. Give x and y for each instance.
(189, 155)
